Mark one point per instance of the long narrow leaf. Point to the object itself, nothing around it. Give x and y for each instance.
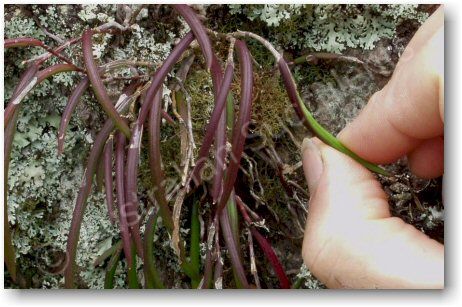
(108, 180)
(99, 174)
(80, 205)
(28, 80)
(194, 253)
(158, 180)
(272, 257)
(22, 42)
(26, 83)
(31, 78)
(131, 193)
(198, 29)
(107, 253)
(302, 111)
(84, 191)
(52, 70)
(132, 274)
(233, 250)
(121, 142)
(151, 275)
(160, 75)
(98, 86)
(150, 100)
(29, 41)
(220, 136)
(70, 107)
(241, 127)
(111, 269)
(156, 162)
(212, 126)
(9, 251)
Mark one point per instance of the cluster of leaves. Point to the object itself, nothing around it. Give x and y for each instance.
(117, 145)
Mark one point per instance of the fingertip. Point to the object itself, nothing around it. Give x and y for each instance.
(346, 188)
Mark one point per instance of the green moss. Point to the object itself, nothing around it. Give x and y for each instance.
(199, 87)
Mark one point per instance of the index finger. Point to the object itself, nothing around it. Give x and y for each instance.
(410, 108)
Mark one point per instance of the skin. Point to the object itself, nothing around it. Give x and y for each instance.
(351, 240)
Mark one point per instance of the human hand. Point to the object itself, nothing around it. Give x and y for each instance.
(351, 239)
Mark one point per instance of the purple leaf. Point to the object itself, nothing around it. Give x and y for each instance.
(98, 86)
(70, 107)
(240, 129)
(108, 181)
(121, 142)
(198, 29)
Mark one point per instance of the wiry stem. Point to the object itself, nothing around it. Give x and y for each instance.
(266, 247)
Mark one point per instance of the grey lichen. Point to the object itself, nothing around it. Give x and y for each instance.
(42, 185)
(332, 27)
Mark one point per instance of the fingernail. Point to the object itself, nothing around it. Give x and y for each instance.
(312, 163)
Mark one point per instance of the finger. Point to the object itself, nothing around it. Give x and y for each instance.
(338, 177)
(427, 160)
(409, 108)
(350, 238)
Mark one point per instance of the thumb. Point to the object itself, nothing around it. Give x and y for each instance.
(351, 240)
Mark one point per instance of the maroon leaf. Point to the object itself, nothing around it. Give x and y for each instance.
(108, 181)
(52, 70)
(233, 249)
(161, 74)
(26, 83)
(155, 161)
(131, 193)
(98, 86)
(22, 42)
(80, 205)
(240, 129)
(198, 29)
(121, 142)
(70, 107)
(212, 126)
(82, 196)
(220, 136)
